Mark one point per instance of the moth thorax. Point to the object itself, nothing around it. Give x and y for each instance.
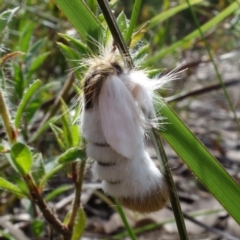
(97, 73)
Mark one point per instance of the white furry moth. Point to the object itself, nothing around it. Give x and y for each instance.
(117, 111)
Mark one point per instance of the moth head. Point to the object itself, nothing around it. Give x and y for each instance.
(99, 70)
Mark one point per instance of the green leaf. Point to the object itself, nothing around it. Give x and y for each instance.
(21, 158)
(59, 190)
(58, 132)
(207, 169)
(193, 35)
(71, 155)
(133, 21)
(34, 50)
(5, 18)
(66, 124)
(37, 227)
(79, 225)
(153, 72)
(77, 44)
(26, 35)
(18, 80)
(67, 217)
(47, 176)
(2, 148)
(77, 114)
(10, 187)
(38, 169)
(28, 94)
(81, 18)
(6, 236)
(140, 54)
(76, 136)
(36, 63)
(92, 4)
(43, 128)
(73, 59)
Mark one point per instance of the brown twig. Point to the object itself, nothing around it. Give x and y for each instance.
(203, 90)
(47, 213)
(77, 198)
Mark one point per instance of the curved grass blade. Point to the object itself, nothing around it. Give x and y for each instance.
(206, 168)
(5, 18)
(169, 13)
(185, 42)
(26, 97)
(81, 18)
(124, 219)
(133, 21)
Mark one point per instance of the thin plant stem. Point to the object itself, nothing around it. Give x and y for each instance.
(173, 192)
(11, 132)
(77, 198)
(115, 31)
(133, 21)
(47, 213)
(214, 65)
(124, 219)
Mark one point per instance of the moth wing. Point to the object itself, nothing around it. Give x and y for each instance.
(119, 117)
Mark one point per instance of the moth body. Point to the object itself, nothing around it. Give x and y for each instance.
(117, 111)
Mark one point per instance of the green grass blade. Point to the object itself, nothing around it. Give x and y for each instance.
(77, 44)
(6, 17)
(186, 41)
(81, 18)
(169, 13)
(125, 222)
(26, 97)
(206, 168)
(215, 66)
(73, 59)
(133, 21)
